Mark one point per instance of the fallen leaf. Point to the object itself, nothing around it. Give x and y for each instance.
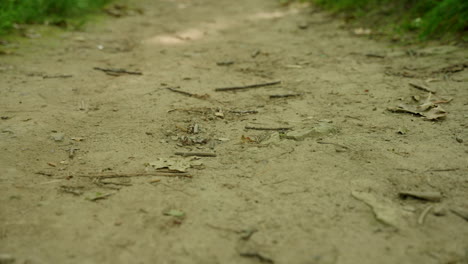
(435, 113)
(175, 213)
(175, 164)
(383, 209)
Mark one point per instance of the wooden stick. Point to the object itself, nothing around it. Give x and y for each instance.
(179, 91)
(284, 95)
(258, 85)
(428, 196)
(244, 111)
(56, 76)
(422, 88)
(138, 174)
(199, 154)
(268, 128)
(204, 96)
(117, 71)
(100, 197)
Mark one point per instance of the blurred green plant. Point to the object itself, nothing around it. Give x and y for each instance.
(430, 19)
(40, 11)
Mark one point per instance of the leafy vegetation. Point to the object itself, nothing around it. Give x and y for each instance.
(428, 18)
(40, 11)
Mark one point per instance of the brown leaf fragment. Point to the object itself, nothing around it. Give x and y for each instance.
(435, 113)
(404, 109)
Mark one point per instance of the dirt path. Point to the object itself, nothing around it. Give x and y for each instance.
(266, 197)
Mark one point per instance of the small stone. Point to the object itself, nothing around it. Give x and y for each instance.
(57, 136)
(459, 139)
(402, 131)
(439, 210)
(303, 25)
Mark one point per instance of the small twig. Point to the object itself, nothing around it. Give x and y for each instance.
(205, 96)
(179, 91)
(428, 196)
(155, 181)
(424, 214)
(285, 95)
(142, 174)
(44, 173)
(199, 154)
(442, 170)
(258, 85)
(268, 128)
(115, 183)
(244, 111)
(100, 197)
(56, 76)
(404, 169)
(422, 88)
(117, 71)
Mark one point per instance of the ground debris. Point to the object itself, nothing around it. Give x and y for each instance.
(120, 10)
(174, 213)
(57, 136)
(117, 71)
(428, 196)
(256, 255)
(275, 96)
(99, 196)
(225, 63)
(75, 190)
(422, 87)
(268, 128)
(321, 129)
(243, 112)
(199, 96)
(137, 174)
(424, 213)
(383, 209)
(461, 212)
(198, 154)
(244, 87)
(452, 68)
(174, 164)
(429, 109)
(63, 76)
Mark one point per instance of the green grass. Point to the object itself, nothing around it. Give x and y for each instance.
(429, 19)
(41, 11)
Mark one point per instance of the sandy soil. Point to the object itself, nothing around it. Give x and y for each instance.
(74, 177)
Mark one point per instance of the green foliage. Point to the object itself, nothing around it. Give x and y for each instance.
(38, 11)
(429, 18)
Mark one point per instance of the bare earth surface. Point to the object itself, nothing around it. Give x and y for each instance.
(76, 180)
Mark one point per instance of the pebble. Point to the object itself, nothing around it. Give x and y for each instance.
(439, 210)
